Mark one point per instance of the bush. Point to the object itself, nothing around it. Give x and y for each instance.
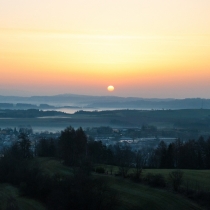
(155, 180)
(100, 170)
(82, 192)
(176, 177)
(136, 175)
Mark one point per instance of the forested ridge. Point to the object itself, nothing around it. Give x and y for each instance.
(29, 113)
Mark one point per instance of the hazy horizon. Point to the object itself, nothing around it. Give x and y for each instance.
(89, 95)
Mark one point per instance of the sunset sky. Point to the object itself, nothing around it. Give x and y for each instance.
(144, 48)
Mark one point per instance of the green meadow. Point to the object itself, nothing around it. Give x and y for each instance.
(193, 179)
(10, 195)
(138, 196)
(130, 195)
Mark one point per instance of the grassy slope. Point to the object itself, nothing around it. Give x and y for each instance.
(52, 166)
(136, 196)
(131, 195)
(195, 179)
(7, 191)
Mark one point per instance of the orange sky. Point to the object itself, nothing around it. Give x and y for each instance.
(143, 48)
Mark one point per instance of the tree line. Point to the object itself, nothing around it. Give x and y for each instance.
(73, 146)
(192, 154)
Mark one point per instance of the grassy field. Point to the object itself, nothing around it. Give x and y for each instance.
(52, 166)
(49, 166)
(136, 196)
(193, 179)
(131, 195)
(8, 192)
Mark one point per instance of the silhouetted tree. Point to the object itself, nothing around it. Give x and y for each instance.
(42, 148)
(25, 145)
(169, 162)
(67, 145)
(46, 148)
(177, 153)
(52, 147)
(138, 165)
(176, 178)
(200, 150)
(207, 154)
(99, 153)
(162, 153)
(72, 146)
(124, 157)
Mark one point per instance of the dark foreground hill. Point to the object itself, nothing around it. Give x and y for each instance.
(130, 195)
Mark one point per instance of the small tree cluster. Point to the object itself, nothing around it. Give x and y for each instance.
(192, 154)
(72, 146)
(46, 148)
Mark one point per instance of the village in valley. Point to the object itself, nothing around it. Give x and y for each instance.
(136, 138)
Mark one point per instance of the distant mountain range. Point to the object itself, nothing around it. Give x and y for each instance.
(85, 101)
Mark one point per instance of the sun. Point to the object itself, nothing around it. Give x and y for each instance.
(110, 88)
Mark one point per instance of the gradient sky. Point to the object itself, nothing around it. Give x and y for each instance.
(144, 48)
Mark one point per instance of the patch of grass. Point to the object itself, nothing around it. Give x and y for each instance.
(7, 191)
(194, 179)
(131, 195)
(198, 180)
(53, 166)
(137, 196)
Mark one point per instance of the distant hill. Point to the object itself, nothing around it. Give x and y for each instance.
(87, 101)
(194, 103)
(30, 113)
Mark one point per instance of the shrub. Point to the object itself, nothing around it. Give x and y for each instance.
(12, 204)
(176, 177)
(136, 175)
(100, 170)
(155, 180)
